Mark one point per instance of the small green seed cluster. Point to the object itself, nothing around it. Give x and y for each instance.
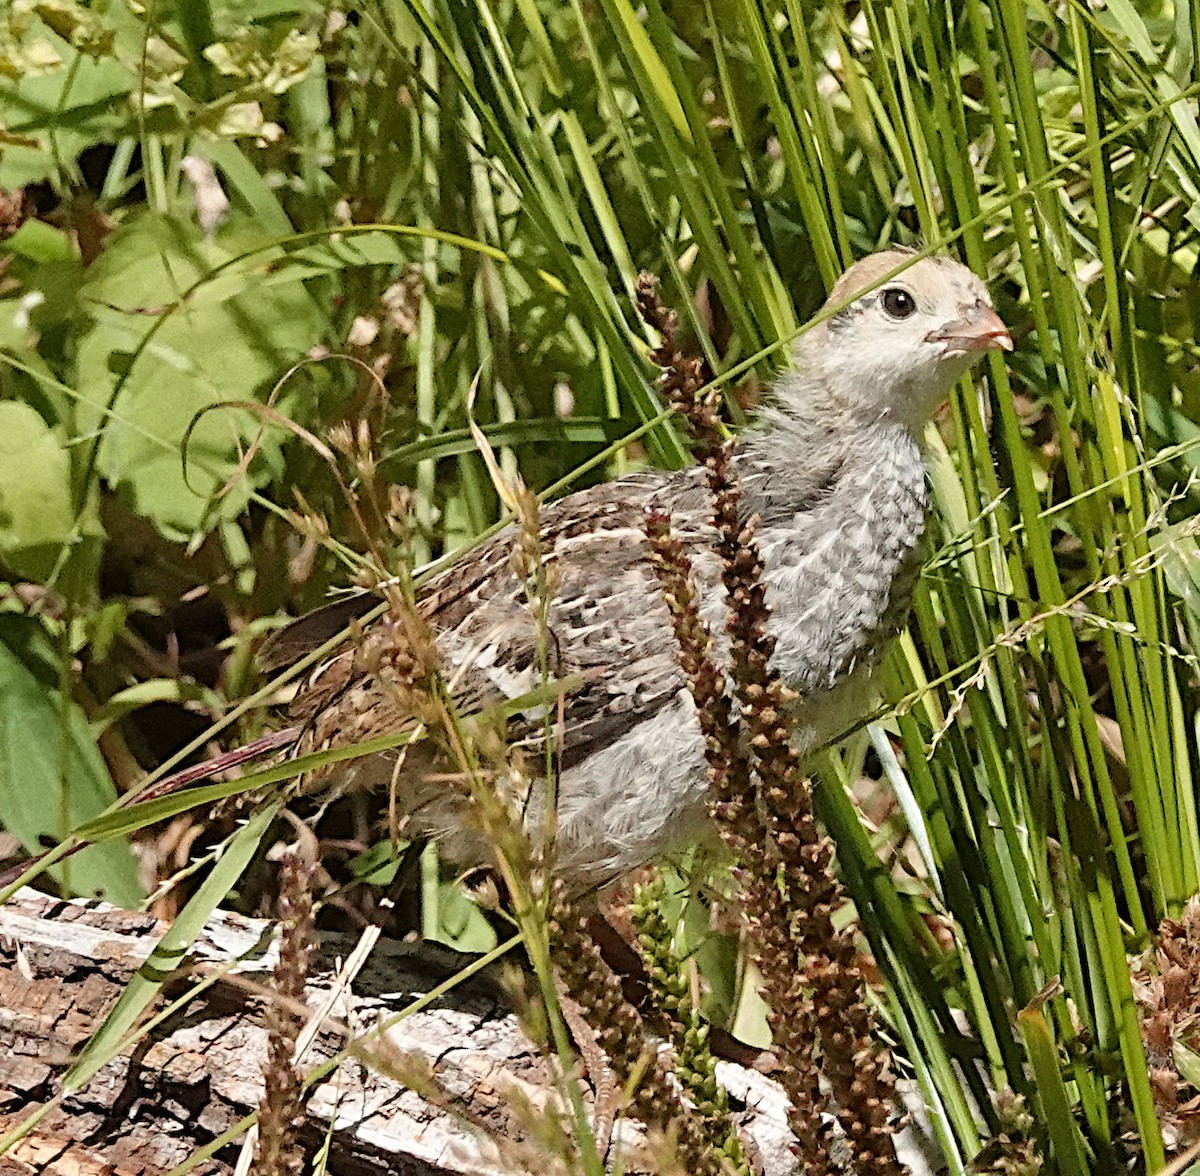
(622, 1035)
(695, 1065)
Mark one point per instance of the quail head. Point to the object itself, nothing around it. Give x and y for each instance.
(833, 469)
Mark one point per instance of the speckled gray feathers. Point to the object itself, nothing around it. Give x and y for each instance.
(839, 542)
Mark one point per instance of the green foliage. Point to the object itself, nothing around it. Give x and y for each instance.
(151, 358)
(37, 516)
(51, 775)
(523, 159)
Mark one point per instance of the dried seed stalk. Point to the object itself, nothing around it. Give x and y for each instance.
(811, 971)
(281, 1111)
(733, 808)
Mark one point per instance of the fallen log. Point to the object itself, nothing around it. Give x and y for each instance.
(194, 1077)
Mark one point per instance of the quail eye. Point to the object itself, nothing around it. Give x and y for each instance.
(898, 303)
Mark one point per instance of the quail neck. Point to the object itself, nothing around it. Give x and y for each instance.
(834, 468)
(834, 471)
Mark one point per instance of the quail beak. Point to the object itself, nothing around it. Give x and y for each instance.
(981, 330)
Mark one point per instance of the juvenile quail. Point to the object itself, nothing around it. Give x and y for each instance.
(834, 471)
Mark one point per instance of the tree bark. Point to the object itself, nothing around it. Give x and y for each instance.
(63, 964)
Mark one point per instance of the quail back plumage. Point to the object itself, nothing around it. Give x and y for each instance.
(834, 472)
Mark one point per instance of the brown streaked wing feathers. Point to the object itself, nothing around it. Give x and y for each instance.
(608, 624)
(288, 645)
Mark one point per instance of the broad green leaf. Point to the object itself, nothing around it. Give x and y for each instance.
(148, 365)
(37, 515)
(461, 924)
(341, 253)
(348, 251)
(52, 776)
(179, 690)
(39, 241)
(447, 914)
(79, 101)
(378, 863)
(1187, 1061)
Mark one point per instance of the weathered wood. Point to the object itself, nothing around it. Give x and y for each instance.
(63, 965)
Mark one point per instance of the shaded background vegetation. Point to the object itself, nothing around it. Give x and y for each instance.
(1023, 816)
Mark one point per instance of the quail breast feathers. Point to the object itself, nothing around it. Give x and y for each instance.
(833, 470)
